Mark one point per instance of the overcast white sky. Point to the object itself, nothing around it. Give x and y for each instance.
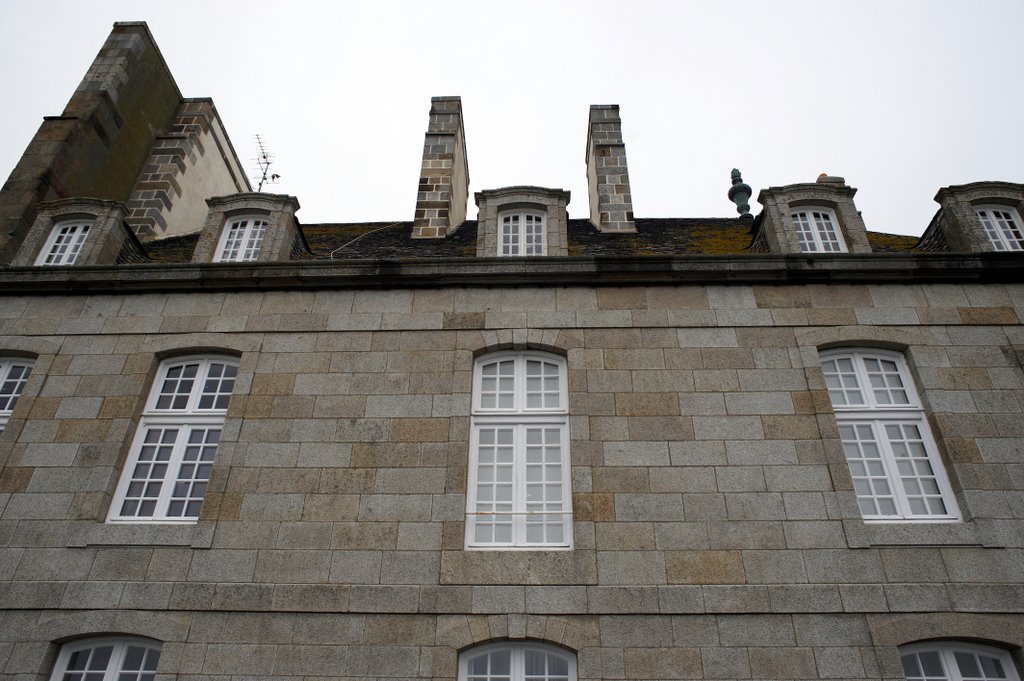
(899, 97)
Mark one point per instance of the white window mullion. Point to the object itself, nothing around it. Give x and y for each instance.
(519, 497)
(503, 386)
(956, 661)
(817, 230)
(129, 659)
(892, 456)
(241, 239)
(176, 442)
(1002, 226)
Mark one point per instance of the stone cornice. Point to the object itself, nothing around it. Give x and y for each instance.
(889, 268)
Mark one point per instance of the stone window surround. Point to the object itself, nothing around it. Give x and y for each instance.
(861, 534)
(957, 222)
(517, 653)
(519, 417)
(114, 668)
(877, 415)
(154, 418)
(279, 237)
(946, 650)
(777, 230)
(551, 203)
(102, 244)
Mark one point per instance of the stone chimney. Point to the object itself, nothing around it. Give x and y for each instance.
(611, 203)
(444, 178)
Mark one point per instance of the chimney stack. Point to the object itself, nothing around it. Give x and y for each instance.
(444, 177)
(611, 203)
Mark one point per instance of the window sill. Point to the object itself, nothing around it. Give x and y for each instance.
(196, 535)
(862, 534)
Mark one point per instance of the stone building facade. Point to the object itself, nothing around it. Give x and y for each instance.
(773, 448)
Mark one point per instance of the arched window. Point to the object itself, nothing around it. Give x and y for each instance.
(241, 239)
(64, 243)
(817, 230)
(14, 373)
(107, 659)
(1002, 226)
(166, 474)
(519, 476)
(521, 233)
(506, 661)
(956, 661)
(896, 470)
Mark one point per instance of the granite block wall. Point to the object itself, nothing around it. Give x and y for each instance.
(716, 531)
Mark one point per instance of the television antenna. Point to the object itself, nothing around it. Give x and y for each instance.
(264, 159)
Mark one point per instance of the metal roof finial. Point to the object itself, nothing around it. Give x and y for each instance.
(739, 193)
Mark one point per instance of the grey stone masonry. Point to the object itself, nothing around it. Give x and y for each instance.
(957, 225)
(103, 243)
(611, 203)
(777, 233)
(100, 141)
(282, 235)
(443, 192)
(716, 529)
(190, 163)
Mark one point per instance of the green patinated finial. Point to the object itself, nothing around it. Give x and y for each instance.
(739, 193)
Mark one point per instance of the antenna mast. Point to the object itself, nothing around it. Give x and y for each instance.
(264, 159)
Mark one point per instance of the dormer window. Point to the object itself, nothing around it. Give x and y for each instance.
(1002, 226)
(817, 230)
(64, 243)
(522, 221)
(522, 233)
(241, 239)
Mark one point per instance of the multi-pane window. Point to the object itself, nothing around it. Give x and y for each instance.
(107, 659)
(817, 231)
(517, 662)
(166, 475)
(521, 234)
(519, 477)
(1002, 226)
(956, 661)
(242, 239)
(893, 459)
(14, 373)
(64, 243)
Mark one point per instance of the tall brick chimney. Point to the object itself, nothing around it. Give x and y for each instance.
(444, 177)
(611, 203)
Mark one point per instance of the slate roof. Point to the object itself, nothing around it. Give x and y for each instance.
(392, 240)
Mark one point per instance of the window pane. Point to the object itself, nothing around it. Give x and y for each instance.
(519, 474)
(932, 665)
(501, 662)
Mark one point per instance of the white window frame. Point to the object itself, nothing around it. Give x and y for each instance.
(522, 233)
(1003, 227)
(517, 662)
(866, 427)
(64, 243)
(14, 374)
(114, 669)
(947, 652)
(520, 422)
(251, 230)
(179, 434)
(817, 230)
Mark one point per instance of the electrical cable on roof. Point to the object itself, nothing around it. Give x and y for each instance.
(360, 237)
